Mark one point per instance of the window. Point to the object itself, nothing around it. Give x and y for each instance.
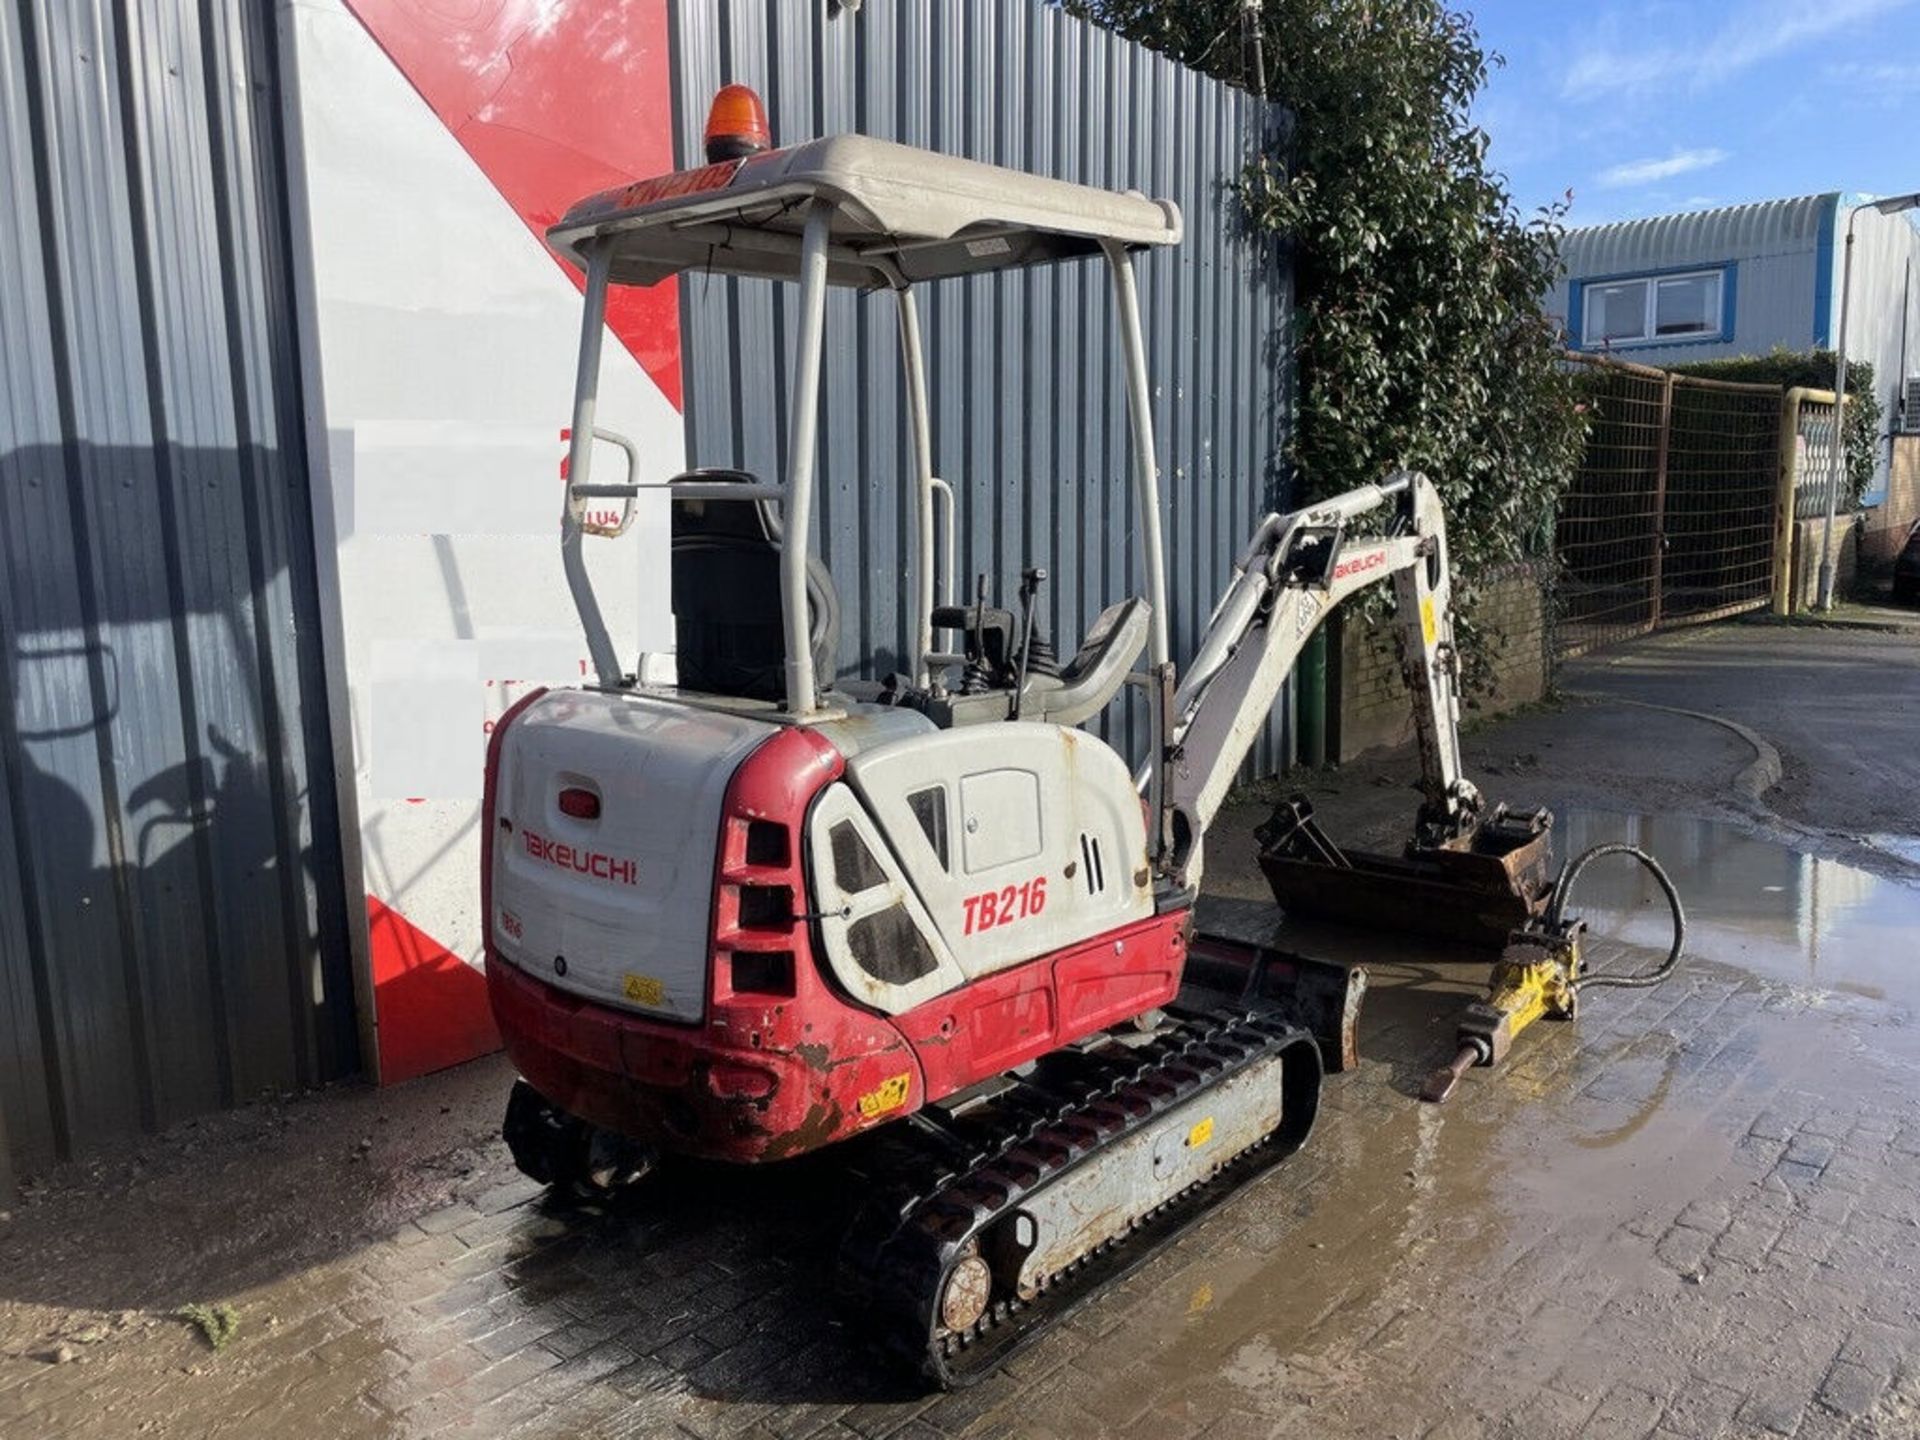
(1652, 308)
(1687, 305)
(1617, 312)
(854, 868)
(890, 948)
(929, 807)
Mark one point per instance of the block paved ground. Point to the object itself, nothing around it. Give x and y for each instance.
(1695, 1212)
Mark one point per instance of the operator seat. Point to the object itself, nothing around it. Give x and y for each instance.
(1095, 674)
(726, 596)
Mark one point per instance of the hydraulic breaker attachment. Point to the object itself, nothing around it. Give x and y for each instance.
(1541, 973)
(1536, 977)
(1478, 885)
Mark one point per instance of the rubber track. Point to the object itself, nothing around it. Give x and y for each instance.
(1075, 1105)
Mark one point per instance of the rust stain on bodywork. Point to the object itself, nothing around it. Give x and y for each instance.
(818, 1056)
(821, 1125)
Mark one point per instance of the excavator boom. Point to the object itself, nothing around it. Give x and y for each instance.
(1295, 571)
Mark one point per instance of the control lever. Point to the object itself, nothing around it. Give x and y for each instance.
(978, 676)
(1030, 581)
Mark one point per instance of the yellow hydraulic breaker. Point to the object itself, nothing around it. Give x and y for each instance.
(1539, 973)
(1536, 976)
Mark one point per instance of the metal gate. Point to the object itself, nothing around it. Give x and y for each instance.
(1675, 516)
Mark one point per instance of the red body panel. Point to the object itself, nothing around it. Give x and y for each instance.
(759, 1093)
(783, 1062)
(1017, 1015)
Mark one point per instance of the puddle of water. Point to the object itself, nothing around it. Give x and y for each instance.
(1905, 847)
(1328, 1293)
(1750, 903)
(1423, 1203)
(1406, 1195)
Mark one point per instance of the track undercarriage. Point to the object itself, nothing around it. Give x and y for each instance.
(1001, 1214)
(992, 1215)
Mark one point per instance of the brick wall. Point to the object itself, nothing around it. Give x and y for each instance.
(1888, 523)
(1373, 708)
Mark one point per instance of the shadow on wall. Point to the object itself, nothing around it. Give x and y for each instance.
(172, 925)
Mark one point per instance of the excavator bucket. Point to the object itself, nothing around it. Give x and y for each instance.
(1477, 888)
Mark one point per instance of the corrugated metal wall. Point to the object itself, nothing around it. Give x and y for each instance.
(1883, 312)
(170, 915)
(1029, 412)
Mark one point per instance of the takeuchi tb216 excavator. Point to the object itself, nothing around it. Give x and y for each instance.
(767, 908)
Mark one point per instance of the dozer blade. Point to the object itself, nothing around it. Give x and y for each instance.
(1014, 1213)
(1319, 996)
(1477, 889)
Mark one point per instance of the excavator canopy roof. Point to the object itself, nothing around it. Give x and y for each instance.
(900, 215)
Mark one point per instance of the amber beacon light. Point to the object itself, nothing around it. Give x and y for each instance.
(736, 125)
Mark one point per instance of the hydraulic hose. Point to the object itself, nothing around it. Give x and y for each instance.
(1563, 891)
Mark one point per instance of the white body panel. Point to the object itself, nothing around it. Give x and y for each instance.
(1046, 845)
(1045, 848)
(626, 899)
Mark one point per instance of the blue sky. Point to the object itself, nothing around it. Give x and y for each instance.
(1641, 107)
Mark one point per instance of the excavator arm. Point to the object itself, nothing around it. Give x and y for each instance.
(1294, 572)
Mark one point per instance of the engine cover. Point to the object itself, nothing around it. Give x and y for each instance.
(613, 905)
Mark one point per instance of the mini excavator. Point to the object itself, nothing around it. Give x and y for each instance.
(766, 908)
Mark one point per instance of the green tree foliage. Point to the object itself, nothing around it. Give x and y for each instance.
(1420, 337)
(1813, 369)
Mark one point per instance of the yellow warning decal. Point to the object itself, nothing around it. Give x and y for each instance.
(1427, 628)
(1200, 1134)
(643, 989)
(890, 1095)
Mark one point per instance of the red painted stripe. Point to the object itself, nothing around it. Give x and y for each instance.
(553, 102)
(432, 1005)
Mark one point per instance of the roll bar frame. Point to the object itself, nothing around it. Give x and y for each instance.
(794, 496)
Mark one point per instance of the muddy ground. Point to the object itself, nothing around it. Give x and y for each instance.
(1693, 1212)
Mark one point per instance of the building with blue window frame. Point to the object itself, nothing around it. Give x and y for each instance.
(1745, 279)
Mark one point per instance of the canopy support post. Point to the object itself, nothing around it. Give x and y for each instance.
(914, 362)
(586, 388)
(1146, 501)
(802, 435)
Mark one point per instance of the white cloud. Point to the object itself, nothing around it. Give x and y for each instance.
(1645, 172)
(1892, 79)
(1599, 71)
(1757, 30)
